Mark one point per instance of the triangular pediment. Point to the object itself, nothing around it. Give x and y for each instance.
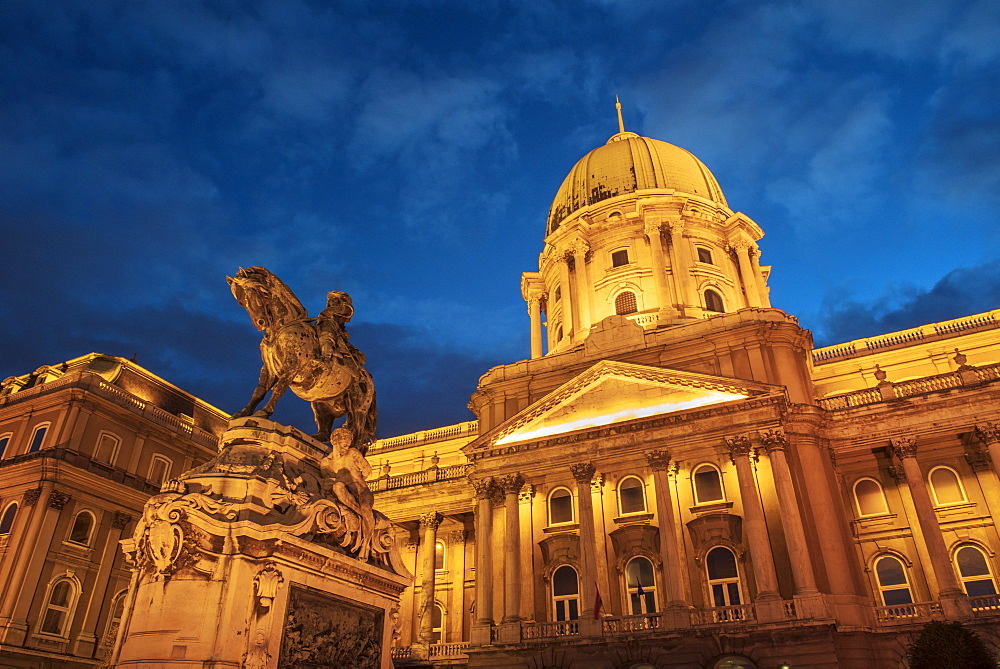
(614, 392)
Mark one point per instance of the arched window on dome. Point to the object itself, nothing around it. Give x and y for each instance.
(641, 586)
(946, 486)
(631, 495)
(83, 525)
(565, 594)
(893, 585)
(713, 301)
(625, 303)
(707, 483)
(974, 571)
(869, 497)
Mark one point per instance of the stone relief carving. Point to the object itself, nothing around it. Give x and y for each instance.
(310, 356)
(322, 630)
(58, 500)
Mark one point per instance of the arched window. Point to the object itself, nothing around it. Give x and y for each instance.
(7, 519)
(641, 586)
(869, 497)
(707, 484)
(566, 594)
(83, 525)
(58, 608)
(625, 303)
(560, 506)
(946, 486)
(559, 333)
(713, 301)
(37, 437)
(107, 447)
(114, 620)
(4, 440)
(723, 577)
(893, 585)
(974, 571)
(619, 258)
(631, 495)
(159, 469)
(439, 555)
(437, 624)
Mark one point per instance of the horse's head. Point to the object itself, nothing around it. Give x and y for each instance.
(265, 297)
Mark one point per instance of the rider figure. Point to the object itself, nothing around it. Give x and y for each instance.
(330, 324)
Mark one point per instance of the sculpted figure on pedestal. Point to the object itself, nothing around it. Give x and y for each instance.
(309, 355)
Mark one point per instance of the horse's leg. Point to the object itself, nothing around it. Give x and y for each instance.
(281, 384)
(263, 384)
(324, 420)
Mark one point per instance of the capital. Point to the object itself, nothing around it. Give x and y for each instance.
(31, 496)
(988, 433)
(458, 537)
(120, 520)
(774, 439)
(652, 229)
(511, 483)
(597, 483)
(904, 447)
(430, 520)
(739, 446)
(580, 248)
(583, 472)
(527, 493)
(483, 488)
(659, 461)
(58, 500)
(740, 245)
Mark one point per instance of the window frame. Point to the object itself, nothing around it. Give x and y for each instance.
(964, 579)
(631, 591)
(5, 440)
(883, 588)
(958, 480)
(444, 555)
(724, 581)
(567, 598)
(708, 251)
(116, 450)
(572, 506)
(718, 295)
(35, 443)
(438, 631)
(621, 249)
(90, 529)
(642, 495)
(621, 296)
(694, 484)
(13, 517)
(158, 457)
(857, 500)
(68, 611)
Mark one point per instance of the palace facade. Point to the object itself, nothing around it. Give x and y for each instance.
(676, 477)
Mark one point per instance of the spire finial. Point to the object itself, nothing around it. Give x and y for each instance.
(618, 106)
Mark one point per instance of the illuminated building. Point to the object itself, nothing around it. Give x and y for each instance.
(83, 445)
(677, 455)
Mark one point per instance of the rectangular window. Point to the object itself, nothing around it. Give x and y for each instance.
(619, 258)
(704, 255)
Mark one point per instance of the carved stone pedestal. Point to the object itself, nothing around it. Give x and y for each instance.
(259, 559)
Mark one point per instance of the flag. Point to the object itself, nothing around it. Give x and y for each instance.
(638, 589)
(597, 604)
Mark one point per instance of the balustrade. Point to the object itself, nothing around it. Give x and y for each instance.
(985, 604)
(550, 630)
(646, 621)
(907, 613)
(443, 650)
(719, 615)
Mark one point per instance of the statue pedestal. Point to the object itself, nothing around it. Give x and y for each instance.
(251, 561)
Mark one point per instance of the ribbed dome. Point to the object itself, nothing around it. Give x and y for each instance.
(628, 163)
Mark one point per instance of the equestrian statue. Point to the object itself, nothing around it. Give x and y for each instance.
(312, 356)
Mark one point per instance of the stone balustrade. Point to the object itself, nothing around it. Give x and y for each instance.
(890, 390)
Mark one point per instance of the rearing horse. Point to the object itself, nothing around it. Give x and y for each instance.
(335, 385)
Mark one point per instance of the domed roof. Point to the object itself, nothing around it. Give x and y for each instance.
(628, 163)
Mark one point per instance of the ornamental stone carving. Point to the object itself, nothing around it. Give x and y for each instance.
(739, 446)
(266, 584)
(988, 433)
(583, 472)
(483, 488)
(527, 493)
(774, 439)
(31, 496)
(658, 460)
(510, 484)
(120, 520)
(904, 447)
(58, 500)
(430, 520)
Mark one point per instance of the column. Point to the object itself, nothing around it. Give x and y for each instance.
(583, 287)
(659, 462)
(511, 487)
(568, 314)
(652, 231)
(429, 522)
(742, 250)
(583, 473)
(684, 592)
(601, 537)
(989, 434)
(20, 549)
(482, 627)
(87, 640)
(765, 300)
(680, 263)
(954, 603)
(535, 315)
(756, 529)
(524, 501)
(456, 569)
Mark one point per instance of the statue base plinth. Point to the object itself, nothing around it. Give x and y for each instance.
(247, 561)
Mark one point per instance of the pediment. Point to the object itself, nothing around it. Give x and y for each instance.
(613, 392)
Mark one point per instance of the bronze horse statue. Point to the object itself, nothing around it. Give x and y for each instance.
(309, 355)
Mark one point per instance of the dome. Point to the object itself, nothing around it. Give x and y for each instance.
(628, 163)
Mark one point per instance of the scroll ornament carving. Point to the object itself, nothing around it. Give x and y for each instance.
(58, 500)
(483, 488)
(266, 583)
(988, 433)
(430, 520)
(658, 460)
(396, 623)
(30, 497)
(739, 446)
(583, 472)
(773, 440)
(511, 484)
(904, 447)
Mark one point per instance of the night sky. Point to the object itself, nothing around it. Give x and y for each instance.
(407, 152)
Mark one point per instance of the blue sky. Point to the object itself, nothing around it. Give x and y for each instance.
(407, 152)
